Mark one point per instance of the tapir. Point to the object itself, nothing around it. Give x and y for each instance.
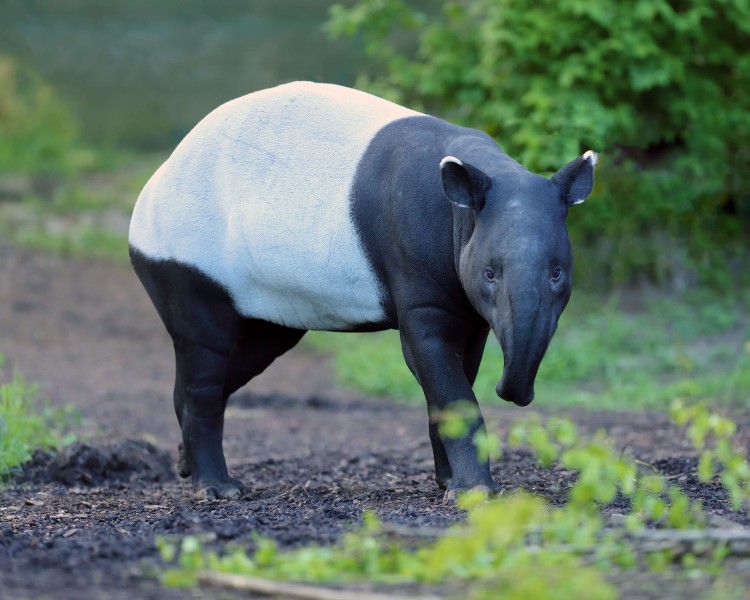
(318, 207)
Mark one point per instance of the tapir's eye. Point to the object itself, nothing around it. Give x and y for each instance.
(489, 274)
(556, 273)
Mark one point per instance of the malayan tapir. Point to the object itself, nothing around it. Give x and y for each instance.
(318, 207)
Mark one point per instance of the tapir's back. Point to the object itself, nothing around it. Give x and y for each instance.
(257, 198)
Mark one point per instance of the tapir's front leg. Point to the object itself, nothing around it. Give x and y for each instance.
(442, 465)
(436, 344)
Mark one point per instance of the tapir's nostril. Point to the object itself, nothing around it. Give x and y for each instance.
(520, 395)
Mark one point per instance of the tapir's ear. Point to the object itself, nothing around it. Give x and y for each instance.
(463, 184)
(576, 179)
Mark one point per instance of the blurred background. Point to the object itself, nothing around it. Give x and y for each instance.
(94, 94)
(143, 73)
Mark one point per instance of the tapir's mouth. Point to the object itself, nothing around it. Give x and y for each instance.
(520, 395)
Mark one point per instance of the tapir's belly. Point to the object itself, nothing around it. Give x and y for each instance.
(257, 197)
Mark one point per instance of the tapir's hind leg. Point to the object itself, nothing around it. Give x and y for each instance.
(216, 352)
(257, 346)
(199, 404)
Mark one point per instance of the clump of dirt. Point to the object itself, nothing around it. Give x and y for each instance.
(125, 462)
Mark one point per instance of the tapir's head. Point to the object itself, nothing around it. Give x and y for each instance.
(514, 256)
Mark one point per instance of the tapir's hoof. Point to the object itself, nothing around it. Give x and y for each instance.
(183, 467)
(231, 489)
(451, 496)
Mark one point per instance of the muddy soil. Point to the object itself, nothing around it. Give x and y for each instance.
(82, 524)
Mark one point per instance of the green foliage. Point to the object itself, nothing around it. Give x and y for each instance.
(85, 214)
(457, 420)
(518, 544)
(72, 223)
(717, 457)
(693, 346)
(489, 552)
(22, 428)
(369, 362)
(67, 205)
(37, 132)
(662, 87)
(603, 472)
(80, 241)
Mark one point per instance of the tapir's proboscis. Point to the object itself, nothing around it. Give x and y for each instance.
(317, 207)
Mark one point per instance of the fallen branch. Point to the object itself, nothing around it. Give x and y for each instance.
(422, 533)
(301, 591)
(737, 541)
(680, 541)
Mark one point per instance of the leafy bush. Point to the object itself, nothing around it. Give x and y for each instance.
(662, 87)
(37, 132)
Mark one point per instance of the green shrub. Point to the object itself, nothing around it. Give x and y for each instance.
(37, 131)
(662, 87)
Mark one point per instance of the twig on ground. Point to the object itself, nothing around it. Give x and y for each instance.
(293, 590)
(645, 464)
(698, 541)
(737, 541)
(425, 533)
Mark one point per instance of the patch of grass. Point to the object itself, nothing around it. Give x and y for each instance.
(86, 215)
(83, 241)
(368, 362)
(24, 427)
(601, 356)
(75, 199)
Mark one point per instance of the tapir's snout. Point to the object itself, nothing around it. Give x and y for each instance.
(520, 395)
(524, 338)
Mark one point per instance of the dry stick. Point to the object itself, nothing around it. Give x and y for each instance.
(426, 533)
(293, 590)
(736, 541)
(645, 464)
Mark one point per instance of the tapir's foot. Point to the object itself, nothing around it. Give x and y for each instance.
(183, 467)
(491, 491)
(442, 483)
(225, 489)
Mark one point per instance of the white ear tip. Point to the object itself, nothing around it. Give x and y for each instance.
(591, 156)
(450, 159)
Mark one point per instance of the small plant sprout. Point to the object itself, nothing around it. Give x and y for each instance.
(24, 427)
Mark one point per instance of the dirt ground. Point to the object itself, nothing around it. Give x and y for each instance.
(81, 525)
